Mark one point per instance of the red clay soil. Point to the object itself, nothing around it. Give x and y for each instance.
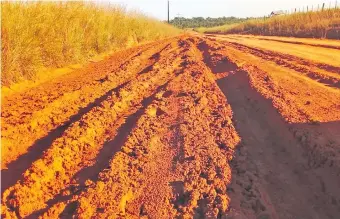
(188, 127)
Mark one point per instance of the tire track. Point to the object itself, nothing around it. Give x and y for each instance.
(171, 70)
(16, 168)
(90, 173)
(288, 41)
(271, 159)
(265, 176)
(302, 66)
(29, 117)
(171, 146)
(88, 143)
(323, 66)
(311, 110)
(302, 43)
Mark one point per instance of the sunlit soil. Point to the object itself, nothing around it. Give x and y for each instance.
(188, 127)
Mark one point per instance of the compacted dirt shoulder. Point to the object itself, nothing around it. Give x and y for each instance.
(188, 127)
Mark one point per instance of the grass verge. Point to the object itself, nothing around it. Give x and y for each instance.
(320, 24)
(45, 35)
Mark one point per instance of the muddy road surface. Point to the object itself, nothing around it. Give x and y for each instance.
(189, 127)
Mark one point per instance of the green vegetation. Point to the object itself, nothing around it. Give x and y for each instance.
(218, 29)
(39, 35)
(321, 24)
(196, 22)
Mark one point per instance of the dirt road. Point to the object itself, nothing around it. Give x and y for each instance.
(188, 127)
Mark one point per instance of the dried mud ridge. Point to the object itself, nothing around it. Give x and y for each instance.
(187, 127)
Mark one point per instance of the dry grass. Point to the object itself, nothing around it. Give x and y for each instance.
(321, 24)
(44, 35)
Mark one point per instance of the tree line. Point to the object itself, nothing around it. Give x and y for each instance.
(195, 22)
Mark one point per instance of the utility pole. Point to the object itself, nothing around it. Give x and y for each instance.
(168, 11)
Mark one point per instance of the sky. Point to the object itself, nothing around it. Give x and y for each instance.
(216, 8)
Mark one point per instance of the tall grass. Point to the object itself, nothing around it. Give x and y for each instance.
(321, 24)
(36, 35)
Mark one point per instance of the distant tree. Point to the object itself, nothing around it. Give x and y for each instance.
(195, 22)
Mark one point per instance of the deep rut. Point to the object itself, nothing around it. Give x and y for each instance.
(29, 115)
(270, 177)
